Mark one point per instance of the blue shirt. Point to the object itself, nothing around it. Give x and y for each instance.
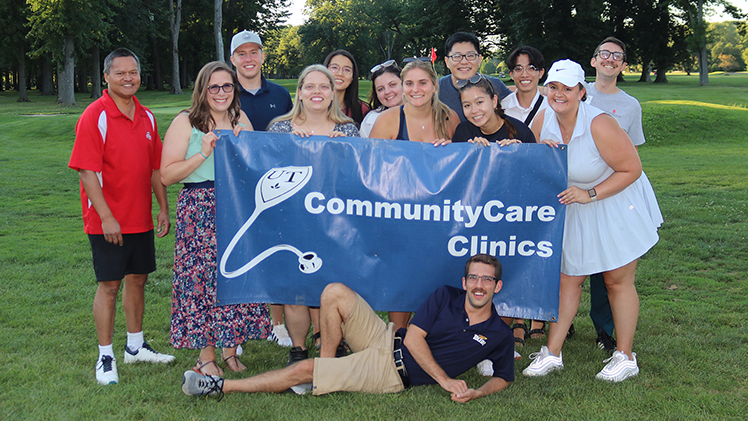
(455, 345)
(449, 95)
(272, 100)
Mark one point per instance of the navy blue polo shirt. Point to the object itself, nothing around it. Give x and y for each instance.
(272, 100)
(455, 345)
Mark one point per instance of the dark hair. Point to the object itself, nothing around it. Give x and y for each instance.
(199, 113)
(487, 86)
(461, 37)
(533, 54)
(486, 259)
(350, 98)
(119, 52)
(374, 101)
(615, 41)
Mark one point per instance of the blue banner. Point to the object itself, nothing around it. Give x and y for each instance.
(391, 219)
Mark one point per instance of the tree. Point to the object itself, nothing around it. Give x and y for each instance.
(175, 16)
(217, 28)
(13, 16)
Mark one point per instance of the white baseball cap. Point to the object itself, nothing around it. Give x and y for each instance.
(244, 37)
(568, 72)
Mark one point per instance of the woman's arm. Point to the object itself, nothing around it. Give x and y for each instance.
(618, 152)
(174, 166)
(387, 124)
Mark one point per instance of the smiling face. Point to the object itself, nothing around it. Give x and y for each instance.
(316, 92)
(527, 79)
(478, 107)
(389, 89)
(564, 98)
(123, 80)
(480, 293)
(342, 70)
(220, 101)
(248, 59)
(464, 68)
(418, 88)
(608, 67)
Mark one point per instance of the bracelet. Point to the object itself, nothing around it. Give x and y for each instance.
(201, 154)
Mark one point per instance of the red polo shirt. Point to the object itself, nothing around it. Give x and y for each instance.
(123, 153)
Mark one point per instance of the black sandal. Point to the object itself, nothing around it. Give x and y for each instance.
(522, 326)
(540, 331)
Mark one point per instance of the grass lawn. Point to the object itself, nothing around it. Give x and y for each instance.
(692, 338)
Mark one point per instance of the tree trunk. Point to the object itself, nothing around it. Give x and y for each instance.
(46, 82)
(646, 69)
(23, 95)
(82, 77)
(158, 78)
(95, 72)
(174, 18)
(218, 28)
(66, 74)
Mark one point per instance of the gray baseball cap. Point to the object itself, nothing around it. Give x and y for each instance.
(244, 37)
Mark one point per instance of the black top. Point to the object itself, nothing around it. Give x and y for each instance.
(467, 130)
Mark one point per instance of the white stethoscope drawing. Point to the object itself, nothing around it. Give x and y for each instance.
(274, 187)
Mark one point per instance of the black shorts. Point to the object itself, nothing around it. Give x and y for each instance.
(136, 255)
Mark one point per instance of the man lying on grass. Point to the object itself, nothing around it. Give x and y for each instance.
(451, 332)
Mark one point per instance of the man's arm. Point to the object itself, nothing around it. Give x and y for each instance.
(109, 225)
(492, 386)
(159, 190)
(415, 341)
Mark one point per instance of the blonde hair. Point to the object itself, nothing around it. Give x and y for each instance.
(440, 112)
(334, 113)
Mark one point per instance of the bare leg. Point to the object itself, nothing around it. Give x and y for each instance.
(275, 381)
(314, 313)
(276, 314)
(569, 295)
(336, 304)
(297, 323)
(624, 302)
(104, 306)
(400, 319)
(209, 354)
(133, 301)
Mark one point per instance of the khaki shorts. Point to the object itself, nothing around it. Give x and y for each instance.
(371, 367)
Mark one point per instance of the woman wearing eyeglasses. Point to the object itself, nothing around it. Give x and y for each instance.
(187, 157)
(345, 70)
(609, 222)
(386, 92)
(422, 117)
(486, 121)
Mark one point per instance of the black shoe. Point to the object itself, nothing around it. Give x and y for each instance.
(606, 342)
(341, 351)
(571, 331)
(297, 354)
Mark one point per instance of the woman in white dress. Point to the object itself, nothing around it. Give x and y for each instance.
(609, 224)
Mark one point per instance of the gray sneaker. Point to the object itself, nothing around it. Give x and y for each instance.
(195, 384)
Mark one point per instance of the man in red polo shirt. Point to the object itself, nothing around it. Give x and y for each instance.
(117, 154)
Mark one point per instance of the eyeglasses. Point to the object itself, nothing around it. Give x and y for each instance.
(472, 80)
(380, 66)
(334, 68)
(617, 56)
(519, 69)
(227, 88)
(457, 57)
(409, 59)
(475, 278)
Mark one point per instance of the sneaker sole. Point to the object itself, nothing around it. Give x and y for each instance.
(616, 379)
(543, 373)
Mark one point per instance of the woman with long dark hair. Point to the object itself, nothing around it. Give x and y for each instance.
(345, 72)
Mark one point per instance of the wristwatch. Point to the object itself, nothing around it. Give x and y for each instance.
(593, 194)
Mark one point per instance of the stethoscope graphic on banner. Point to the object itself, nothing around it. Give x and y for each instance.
(274, 187)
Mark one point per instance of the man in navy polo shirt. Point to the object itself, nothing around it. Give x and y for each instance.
(260, 99)
(451, 332)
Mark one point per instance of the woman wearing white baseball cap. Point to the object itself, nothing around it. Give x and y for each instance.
(608, 222)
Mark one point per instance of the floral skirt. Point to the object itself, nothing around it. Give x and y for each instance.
(196, 322)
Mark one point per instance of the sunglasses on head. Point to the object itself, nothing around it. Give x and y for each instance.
(384, 65)
(409, 59)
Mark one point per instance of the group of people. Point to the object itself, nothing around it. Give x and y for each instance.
(611, 219)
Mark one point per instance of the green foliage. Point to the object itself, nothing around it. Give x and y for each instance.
(726, 47)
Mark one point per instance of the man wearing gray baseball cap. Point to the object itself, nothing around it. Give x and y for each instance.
(261, 99)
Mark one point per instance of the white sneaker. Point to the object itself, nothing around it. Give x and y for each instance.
(301, 389)
(543, 363)
(146, 354)
(106, 370)
(279, 335)
(619, 368)
(517, 355)
(485, 368)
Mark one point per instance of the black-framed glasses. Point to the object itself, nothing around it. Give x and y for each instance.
(457, 57)
(407, 60)
(518, 69)
(475, 278)
(384, 65)
(471, 80)
(617, 56)
(227, 88)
